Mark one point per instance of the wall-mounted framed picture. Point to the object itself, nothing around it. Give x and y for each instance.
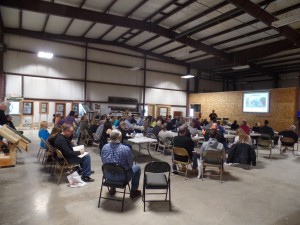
(27, 108)
(75, 107)
(163, 111)
(43, 107)
(60, 108)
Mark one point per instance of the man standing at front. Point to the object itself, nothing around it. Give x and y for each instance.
(63, 143)
(115, 152)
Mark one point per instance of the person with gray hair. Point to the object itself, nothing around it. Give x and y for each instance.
(116, 152)
(290, 133)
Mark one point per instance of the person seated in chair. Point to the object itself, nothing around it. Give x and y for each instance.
(212, 143)
(290, 133)
(182, 141)
(64, 144)
(116, 152)
(245, 127)
(267, 130)
(234, 125)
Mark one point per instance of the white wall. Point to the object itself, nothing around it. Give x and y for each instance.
(108, 74)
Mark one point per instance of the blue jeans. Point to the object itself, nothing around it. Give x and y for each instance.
(133, 175)
(86, 165)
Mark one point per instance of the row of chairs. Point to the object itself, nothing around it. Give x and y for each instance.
(57, 162)
(156, 177)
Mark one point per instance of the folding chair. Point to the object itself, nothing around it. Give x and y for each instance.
(152, 145)
(49, 152)
(164, 144)
(287, 143)
(181, 158)
(212, 158)
(157, 177)
(114, 176)
(63, 164)
(264, 144)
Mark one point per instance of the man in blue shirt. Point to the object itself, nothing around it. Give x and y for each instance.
(116, 152)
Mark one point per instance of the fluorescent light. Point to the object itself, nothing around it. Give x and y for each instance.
(286, 21)
(46, 55)
(187, 76)
(134, 68)
(241, 67)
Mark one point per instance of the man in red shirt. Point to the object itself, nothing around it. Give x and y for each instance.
(245, 127)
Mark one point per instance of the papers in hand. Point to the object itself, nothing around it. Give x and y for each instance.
(79, 148)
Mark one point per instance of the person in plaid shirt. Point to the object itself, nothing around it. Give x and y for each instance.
(116, 152)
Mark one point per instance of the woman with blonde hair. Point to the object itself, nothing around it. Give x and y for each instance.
(242, 137)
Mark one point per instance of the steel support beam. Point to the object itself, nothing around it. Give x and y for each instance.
(267, 18)
(89, 15)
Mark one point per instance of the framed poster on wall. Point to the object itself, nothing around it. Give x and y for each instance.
(75, 108)
(44, 108)
(27, 108)
(60, 108)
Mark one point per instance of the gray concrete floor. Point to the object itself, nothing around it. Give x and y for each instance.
(265, 194)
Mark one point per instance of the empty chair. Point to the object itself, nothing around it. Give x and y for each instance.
(181, 158)
(63, 164)
(287, 143)
(157, 177)
(114, 176)
(264, 145)
(164, 144)
(96, 144)
(152, 145)
(49, 154)
(212, 158)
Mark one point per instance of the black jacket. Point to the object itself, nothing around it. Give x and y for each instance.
(65, 146)
(242, 153)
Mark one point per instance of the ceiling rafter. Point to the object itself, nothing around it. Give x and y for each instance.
(89, 15)
(282, 11)
(129, 14)
(71, 21)
(161, 45)
(222, 18)
(267, 18)
(167, 5)
(219, 19)
(180, 7)
(48, 36)
(147, 40)
(246, 55)
(94, 23)
(198, 16)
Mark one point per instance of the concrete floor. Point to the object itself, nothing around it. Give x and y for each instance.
(264, 195)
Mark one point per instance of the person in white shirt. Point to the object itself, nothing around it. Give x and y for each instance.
(242, 137)
(192, 129)
(164, 133)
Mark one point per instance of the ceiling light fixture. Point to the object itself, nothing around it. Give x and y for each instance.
(46, 55)
(286, 21)
(188, 76)
(135, 68)
(242, 67)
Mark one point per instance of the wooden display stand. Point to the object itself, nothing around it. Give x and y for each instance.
(11, 159)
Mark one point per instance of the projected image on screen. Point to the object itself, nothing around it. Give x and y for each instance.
(256, 102)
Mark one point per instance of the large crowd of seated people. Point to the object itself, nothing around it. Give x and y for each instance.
(180, 129)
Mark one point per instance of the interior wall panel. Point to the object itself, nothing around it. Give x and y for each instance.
(53, 89)
(160, 80)
(100, 92)
(13, 86)
(25, 63)
(158, 96)
(162, 66)
(113, 74)
(36, 45)
(115, 58)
